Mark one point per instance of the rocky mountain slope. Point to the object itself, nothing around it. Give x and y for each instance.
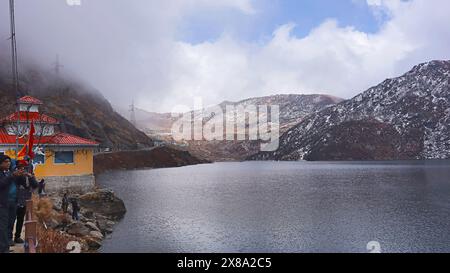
(293, 108)
(158, 157)
(402, 118)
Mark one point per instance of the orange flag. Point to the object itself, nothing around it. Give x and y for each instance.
(28, 147)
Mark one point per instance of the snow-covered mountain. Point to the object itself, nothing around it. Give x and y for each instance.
(293, 108)
(403, 118)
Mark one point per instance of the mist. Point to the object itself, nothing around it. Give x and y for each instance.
(138, 50)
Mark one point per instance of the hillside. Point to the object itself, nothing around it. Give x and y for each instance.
(402, 118)
(160, 157)
(293, 108)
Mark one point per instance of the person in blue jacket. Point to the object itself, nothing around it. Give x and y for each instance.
(7, 184)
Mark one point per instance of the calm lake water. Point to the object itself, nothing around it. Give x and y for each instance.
(284, 207)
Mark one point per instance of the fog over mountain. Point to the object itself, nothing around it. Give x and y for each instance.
(164, 53)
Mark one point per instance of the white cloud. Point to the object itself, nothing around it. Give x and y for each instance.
(331, 59)
(134, 51)
(124, 48)
(389, 4)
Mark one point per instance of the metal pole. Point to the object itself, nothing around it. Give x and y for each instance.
(15, 73)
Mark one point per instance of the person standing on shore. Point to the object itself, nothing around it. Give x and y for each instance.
(25, 188)
(75, 210)
(41, 189)
(65, 203)
(6, 181)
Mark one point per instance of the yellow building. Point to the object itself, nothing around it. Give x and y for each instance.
(65, 161)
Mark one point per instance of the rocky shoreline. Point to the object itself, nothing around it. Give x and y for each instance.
(100, 211)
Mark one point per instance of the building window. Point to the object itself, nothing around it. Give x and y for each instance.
(64, 157)
(39, 159)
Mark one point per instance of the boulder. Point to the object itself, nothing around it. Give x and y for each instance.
(92, 226)
(103, 202)
(93, 243)
(89, 214)
(105, 226)
(94, 239)
(78, 229)
(96, 235)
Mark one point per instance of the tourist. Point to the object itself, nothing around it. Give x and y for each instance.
(25, 188)
(75, 209)
(65, 203)
(6, 180)
(13, 194)
(41, 188)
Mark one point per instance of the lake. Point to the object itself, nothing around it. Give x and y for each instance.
(283, 207)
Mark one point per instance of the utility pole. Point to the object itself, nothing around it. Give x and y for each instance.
(15, 72)
(133, 114)
(58, 66)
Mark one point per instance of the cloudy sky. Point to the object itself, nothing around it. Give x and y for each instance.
(164, 53)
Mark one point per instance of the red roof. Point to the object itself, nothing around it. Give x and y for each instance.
(31, 116)
(57, 139)
(68, 139)
(29, 100)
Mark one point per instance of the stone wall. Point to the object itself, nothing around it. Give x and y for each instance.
(77, 184)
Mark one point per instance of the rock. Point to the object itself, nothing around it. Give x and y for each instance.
(94, 239)
(103, 202)
(52, 223)
(82, 218)
(99, 217)
(106, 226)
(99, 213)
(93, 243)
(66, 220)
(92, 226)
(96, 235)
(89, 214)
(56, 204)
(78, 229)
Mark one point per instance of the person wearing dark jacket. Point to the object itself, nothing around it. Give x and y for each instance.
(25, 188)
(13, 195)
(41, 188)
(65, 203)
(6, 180)
(75, 209)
